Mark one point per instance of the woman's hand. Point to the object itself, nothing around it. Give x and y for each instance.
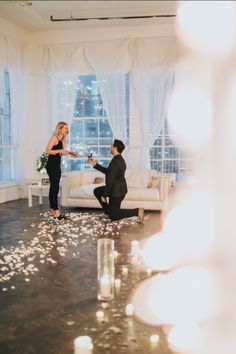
(74, 154)
(65, 153)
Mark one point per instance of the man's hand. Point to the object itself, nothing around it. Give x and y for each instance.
(91, 161)
(104, 199)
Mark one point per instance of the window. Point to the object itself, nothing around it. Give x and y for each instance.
(90, 131)
(6, 170)
(168, 157)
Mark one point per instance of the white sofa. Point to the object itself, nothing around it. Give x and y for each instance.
(146, 189)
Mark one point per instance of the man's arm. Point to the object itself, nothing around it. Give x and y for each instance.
(100, 168)
(111, 174)
(96, 165)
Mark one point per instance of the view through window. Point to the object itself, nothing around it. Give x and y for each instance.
(90, 132)
(168, 157)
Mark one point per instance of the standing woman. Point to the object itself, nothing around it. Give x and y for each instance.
(56, 148)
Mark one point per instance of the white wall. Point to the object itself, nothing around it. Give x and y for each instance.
(162, 27)
(11, 30)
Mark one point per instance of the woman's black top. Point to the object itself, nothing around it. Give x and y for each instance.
(54, 161)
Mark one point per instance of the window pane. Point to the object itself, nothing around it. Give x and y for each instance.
(175, 159)
(6, 131)
(76, 130)
(104, 128)
(105, 152)
(156, 165)
(76, 164)
(5, 164)
(171, 152)
(6, 150)
(1, 130)
(158, 141)
(171, 166)
(156, 153)
(91, 128)
(90, 131)
(96, 106)
(104, 163)
(104, 141)
(79, 104)
(90, 142)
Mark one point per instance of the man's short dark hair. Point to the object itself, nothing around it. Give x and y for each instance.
(119, 145)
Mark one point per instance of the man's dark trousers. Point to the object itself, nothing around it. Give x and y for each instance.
(112, 209)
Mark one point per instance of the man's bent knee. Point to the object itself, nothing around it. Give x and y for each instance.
(96, 192)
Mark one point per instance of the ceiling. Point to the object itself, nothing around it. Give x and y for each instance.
(36, 15)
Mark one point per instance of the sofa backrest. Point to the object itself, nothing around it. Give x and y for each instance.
(139, 178)
(88, 177)
(135, 178)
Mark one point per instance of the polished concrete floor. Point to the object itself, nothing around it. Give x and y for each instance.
(48, 288)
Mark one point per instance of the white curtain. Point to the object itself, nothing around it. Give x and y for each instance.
(17, 71)
(63, 94)
(151, 103)
(150, 62)
(152, 81)
(39, 123)
(3, 65)
(113, 91)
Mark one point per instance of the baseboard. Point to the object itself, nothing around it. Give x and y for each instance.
(10, 191)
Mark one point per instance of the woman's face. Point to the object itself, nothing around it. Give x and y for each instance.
(64, 130)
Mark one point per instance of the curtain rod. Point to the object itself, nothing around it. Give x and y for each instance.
(107, 18)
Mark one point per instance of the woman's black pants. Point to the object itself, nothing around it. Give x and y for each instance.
(54, 178)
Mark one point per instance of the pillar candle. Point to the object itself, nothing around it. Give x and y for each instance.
(83, 345)
(154, 339)
(117, 283)
(100, 314)
(105, 286)
(129, 310)
(124, 270)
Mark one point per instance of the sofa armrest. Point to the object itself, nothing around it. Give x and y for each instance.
(164, 187)
(70, 180)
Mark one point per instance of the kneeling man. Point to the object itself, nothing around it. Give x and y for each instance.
(111, 195)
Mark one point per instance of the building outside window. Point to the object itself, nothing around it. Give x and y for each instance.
(6, 169)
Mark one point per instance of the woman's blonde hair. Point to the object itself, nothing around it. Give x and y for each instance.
(58, 127)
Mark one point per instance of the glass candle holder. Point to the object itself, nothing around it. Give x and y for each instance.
(105, 269)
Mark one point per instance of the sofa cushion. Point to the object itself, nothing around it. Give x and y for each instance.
(144, 194)
(82, 192)
(88, 177)
(98, 180)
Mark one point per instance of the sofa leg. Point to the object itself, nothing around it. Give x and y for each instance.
(140, 215)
